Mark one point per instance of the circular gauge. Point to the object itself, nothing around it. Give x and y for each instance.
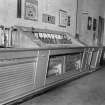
(45, 35)
(52, 35)
(40, 35)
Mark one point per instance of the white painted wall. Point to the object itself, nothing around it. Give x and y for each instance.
(8, 14)
(93, 8)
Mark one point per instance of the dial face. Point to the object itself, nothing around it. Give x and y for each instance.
(36, 35)
(49, 38)
(45, 35)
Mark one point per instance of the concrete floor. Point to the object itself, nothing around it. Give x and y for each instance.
(88, 90)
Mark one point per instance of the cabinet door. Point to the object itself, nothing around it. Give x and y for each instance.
(73, 62)
(86, 60)
(96, 59)
(41, 71)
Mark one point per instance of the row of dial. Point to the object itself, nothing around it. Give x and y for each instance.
(50, 36)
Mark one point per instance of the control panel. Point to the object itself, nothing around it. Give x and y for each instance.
(52, 38)
(48, 19)
(28, 37)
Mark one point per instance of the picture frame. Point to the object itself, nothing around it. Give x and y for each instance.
(68, 20)
(89, 25)
(62, 18)
(94, 24)
(31, 10)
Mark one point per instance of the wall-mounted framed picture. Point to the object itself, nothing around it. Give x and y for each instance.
(89, 25)
(31, 10)
(68, 20)
(62, 18)
(94, 24)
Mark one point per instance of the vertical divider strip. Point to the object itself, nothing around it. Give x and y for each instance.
(19, 8)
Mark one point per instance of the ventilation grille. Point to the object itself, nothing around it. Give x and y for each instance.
(16, 77)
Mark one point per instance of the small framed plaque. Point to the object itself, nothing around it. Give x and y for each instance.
(89, 26)
(94, 24)
(62, 18)
(31, 10)
(68, 20)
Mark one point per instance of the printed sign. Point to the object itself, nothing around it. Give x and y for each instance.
(62, 18)
(94, 24)
(31, 9)
(68, 21)
(48, 19)
(89, 23)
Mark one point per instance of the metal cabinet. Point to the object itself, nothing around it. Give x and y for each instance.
(96, 56)
(86, 60)
(23, 72)
(102, 60)
(41, 71)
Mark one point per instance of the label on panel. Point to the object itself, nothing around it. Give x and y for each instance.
(48, 19)
(62, 18)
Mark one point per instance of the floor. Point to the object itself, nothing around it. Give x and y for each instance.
(88, 90)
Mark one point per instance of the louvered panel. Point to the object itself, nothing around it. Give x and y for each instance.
(16, 93)
(16, 76)
(11, 76)
(14, 80)
(13, 84)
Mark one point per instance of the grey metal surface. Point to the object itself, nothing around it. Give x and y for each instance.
(23, 71)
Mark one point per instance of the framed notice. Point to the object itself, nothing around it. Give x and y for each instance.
(62, 18)
(89, 26)
(68, 20)
(31, 10)
(94, 24)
